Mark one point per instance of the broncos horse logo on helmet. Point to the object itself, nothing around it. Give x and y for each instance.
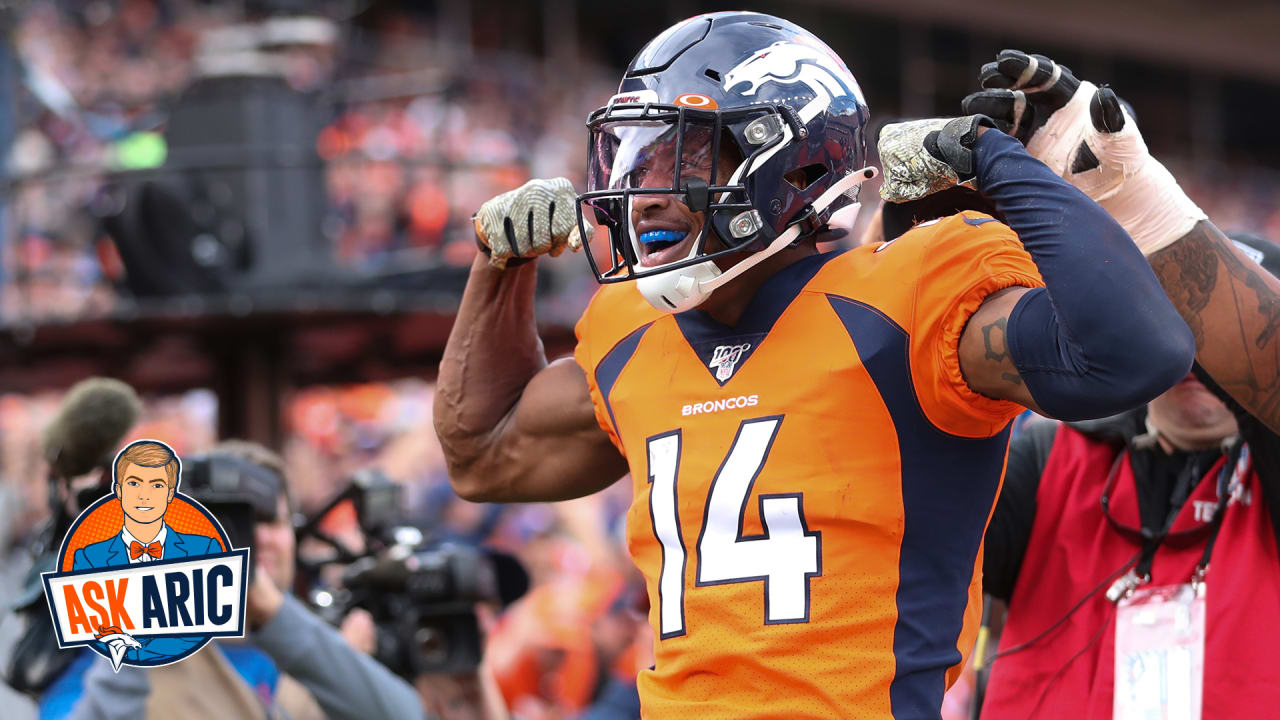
(788, 63)
(771, 93)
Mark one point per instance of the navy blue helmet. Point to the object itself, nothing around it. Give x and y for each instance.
(739, 87)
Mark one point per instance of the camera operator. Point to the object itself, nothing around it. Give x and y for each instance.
(431, 604)
(293, 664)
(77, 446)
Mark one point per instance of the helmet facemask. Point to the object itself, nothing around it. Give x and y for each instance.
(633, 151)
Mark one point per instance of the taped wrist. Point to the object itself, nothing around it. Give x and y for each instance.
(1056, 142)
(1135, 188)
(1101, 337)
(1153, 208)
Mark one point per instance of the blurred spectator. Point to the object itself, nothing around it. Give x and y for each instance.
(574, 645)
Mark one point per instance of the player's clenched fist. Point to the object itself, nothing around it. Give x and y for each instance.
(922, 157)
(534, 219)
(1083, 134)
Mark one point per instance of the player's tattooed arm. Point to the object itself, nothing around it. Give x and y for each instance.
(1233, 309)
(985, 360)
(993, 339)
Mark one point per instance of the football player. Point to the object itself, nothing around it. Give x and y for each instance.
(815, 440)
(1084, 134)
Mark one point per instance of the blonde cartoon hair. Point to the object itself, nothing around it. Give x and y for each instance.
(148, 453)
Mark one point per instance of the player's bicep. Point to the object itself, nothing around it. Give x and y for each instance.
(551, 447)
(985, 360)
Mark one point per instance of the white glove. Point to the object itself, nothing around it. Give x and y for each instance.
(534, 219)
(1084, 134)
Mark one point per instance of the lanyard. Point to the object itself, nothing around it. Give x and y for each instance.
(1237, 457)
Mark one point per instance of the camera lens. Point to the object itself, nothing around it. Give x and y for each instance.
(433, 646)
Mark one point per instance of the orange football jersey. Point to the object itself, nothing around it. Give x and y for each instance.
(811, 486)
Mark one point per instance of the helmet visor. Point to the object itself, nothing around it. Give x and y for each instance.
(635, 153)
(651, 154)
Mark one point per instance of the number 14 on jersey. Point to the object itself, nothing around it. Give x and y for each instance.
(784, 557)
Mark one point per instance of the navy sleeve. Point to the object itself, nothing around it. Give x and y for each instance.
(1101, 337)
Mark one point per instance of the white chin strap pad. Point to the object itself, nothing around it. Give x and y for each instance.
(679, 290)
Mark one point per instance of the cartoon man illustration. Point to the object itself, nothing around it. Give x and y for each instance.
(145, 480)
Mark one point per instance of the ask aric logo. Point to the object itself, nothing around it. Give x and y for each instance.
(146, 576)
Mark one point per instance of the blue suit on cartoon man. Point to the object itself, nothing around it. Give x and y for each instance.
(145, 481)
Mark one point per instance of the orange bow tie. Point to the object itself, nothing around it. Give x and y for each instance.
(152, 548)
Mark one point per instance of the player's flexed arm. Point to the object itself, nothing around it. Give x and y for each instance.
(1081, 131)
(513, 427)
(1101, 337)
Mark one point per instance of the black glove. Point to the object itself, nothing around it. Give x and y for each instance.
(1022, 91)
(1085, 134)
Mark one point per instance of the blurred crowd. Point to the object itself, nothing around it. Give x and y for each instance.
(88, 88)
(410, 155)
(414, 140)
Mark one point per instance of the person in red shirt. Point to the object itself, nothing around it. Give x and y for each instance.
(1053, 550)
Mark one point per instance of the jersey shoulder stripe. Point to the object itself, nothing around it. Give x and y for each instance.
(929, 282)
(606, 374)
(615, 311)
(608, 333)
(943, 521)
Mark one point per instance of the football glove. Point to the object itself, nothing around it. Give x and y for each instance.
(1084, 134)
(536, 218)
(922, 157)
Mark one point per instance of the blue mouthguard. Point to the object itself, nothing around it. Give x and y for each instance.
(661, 236)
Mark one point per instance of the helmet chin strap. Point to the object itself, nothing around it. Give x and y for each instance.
(685, 289)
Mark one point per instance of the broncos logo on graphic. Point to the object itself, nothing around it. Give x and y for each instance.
(788, 63)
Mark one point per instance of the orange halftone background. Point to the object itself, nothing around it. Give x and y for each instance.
(106, 520)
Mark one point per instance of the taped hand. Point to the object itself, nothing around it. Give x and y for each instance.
(536, 218)
(1085, 135)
